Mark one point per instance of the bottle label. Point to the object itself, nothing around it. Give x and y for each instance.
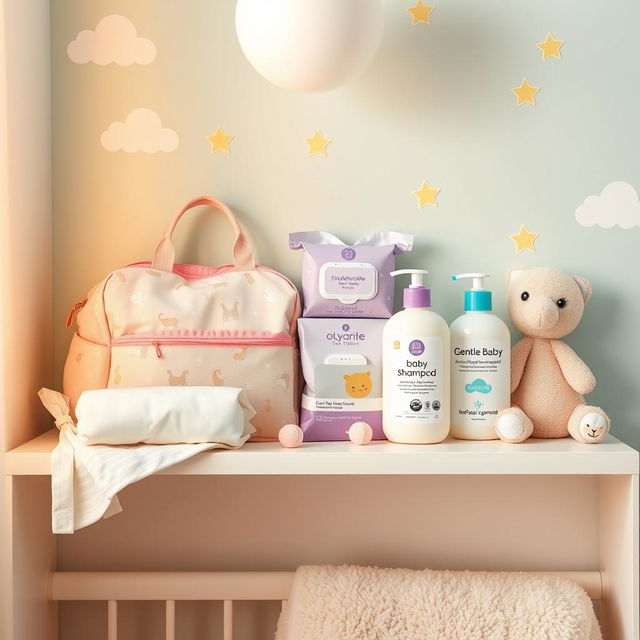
(480, 380)
(417, 370)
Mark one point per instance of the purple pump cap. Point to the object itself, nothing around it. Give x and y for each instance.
(416, 297)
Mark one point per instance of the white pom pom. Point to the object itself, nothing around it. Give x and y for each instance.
(290, 436)
(360, 433)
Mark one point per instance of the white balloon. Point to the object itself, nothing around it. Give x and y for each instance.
(309, 45)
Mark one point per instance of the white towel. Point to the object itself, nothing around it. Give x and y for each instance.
(85, 479)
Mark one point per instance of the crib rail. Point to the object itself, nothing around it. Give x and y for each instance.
(225, 586)
(170, 585)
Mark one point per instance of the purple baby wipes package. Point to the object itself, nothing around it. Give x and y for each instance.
(348, 281)
(342, 368)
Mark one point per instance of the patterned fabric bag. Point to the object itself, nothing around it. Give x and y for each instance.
(160, 323)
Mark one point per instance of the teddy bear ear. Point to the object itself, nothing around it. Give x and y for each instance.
(514, 273)
(585, 287)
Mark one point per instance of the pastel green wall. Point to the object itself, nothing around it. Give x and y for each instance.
(435, 105)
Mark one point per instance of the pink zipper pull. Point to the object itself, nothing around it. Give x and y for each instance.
(76, 307)
(158, 351)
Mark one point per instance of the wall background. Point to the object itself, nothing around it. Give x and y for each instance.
(26, 303)
(435, 105)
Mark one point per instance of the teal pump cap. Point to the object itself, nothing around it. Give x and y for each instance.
(477, 298)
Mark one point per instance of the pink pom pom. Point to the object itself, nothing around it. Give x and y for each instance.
(291, 436)
(360, 433)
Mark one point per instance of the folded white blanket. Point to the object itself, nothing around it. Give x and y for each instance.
(85, 479)
(367, 603)
(163, 415)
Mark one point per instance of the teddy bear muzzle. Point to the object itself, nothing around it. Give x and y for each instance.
(545, 311)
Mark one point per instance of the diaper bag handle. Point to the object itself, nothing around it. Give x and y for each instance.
(165, 253)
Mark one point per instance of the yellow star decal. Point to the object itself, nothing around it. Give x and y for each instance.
(550, 47)
(426, 195)
(420, 13)
(524, 239)
(525, 93)
(220, 141)
(317, 144)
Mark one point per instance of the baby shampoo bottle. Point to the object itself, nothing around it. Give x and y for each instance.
(415, 362)
(480, 365)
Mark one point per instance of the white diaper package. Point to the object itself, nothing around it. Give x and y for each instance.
(164, 415)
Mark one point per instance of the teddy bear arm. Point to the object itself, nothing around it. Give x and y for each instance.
(519, 356)
(577, 374)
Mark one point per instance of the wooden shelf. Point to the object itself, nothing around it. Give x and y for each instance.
(552, 457)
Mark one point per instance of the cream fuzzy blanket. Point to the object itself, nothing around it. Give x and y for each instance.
(367, 603)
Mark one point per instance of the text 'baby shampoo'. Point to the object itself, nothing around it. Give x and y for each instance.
(415, 361)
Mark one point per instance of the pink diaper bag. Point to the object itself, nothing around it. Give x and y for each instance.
(160, 323)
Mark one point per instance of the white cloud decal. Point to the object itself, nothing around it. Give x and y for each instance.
(115, 39)
(617, 205)
(142, 130)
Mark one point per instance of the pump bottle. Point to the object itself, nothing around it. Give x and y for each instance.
(480, 365)
(415, 360)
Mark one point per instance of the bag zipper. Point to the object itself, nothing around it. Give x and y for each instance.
(228, 268)
(275, 340)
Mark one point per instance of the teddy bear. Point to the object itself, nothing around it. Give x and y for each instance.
(548, 378)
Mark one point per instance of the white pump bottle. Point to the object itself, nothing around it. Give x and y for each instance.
(480, 365)
(415, 361)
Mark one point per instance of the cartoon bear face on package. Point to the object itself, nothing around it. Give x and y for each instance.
(358, 385)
